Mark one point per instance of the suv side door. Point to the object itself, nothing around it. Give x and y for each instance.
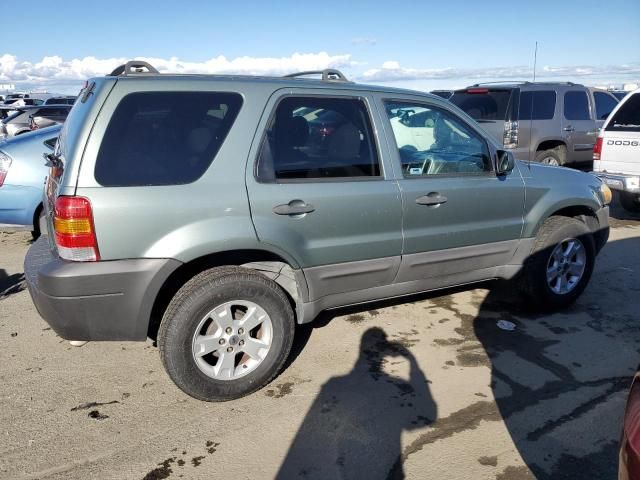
(460, 220)
(320, 188)
(578, 124)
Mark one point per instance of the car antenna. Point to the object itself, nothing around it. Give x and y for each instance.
(535, 62)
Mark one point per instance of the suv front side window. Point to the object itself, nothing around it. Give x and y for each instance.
(316, 138)
(576, 106)
(432, 141)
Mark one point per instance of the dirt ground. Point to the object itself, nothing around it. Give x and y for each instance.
(425, 387)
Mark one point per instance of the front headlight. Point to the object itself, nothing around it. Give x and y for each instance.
(605, 194)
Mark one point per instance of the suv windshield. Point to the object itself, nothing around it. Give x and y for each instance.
(482, 103)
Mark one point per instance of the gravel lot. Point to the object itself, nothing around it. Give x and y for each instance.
(427, 387)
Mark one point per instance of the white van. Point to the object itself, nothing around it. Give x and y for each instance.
(616, 155)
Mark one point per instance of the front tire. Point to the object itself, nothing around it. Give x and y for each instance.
(630, 202)
(560, 265)
(226, 333)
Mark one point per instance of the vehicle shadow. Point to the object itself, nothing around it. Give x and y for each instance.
(353, 427)
(553, 377)
(10, 284)
(619, 217)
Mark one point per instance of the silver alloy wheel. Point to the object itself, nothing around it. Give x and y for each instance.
(232, 340)
(549, 160)
(566, 266)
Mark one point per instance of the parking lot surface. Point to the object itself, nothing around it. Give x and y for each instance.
(462, 384)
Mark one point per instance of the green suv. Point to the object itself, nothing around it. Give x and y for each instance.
(214, 213)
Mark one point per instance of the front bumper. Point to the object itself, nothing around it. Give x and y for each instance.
(109, 300)
(620, 181)
(601, 235)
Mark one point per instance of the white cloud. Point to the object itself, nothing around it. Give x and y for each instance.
(54, 70)
(391, 71)
(366, 41)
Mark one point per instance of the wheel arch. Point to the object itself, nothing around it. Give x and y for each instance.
(551, 144)
(582, 212)
(270, 264)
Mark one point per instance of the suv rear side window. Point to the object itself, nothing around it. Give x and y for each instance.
(537, 105)
(605, 104)
(164, 138)
(482, 103)
(316, 138)
(627, 118)
(576, 106)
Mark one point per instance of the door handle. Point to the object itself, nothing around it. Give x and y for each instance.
(569, 128)
(295, 207)
(432, 198)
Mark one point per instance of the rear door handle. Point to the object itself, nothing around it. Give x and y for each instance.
(569, 128)
(295, 207)
(432, 198)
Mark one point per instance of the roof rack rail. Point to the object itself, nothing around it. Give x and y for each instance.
(134, 67)
(571, 84)
(524, 82)
(328, 75)
(499, 82)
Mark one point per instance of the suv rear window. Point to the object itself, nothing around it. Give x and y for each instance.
(537, 105)
(164, 138)
(482, 103)
(627, 118)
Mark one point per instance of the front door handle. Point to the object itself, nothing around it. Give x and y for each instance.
(432, 198)
(569, 128)
(295, 207)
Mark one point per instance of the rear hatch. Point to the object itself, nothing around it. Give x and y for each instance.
(619, 140)
(66, 159)
(490, 107)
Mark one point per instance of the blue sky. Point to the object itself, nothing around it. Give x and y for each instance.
(421, 45)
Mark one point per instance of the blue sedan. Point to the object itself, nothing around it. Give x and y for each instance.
(22, 174)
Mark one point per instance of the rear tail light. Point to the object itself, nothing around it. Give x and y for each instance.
(75, 233)
(5, 163)
(597, 149)
(510, 137)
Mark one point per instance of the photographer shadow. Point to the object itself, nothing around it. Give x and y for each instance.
(354, 427)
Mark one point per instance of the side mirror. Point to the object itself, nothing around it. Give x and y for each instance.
(505, 162)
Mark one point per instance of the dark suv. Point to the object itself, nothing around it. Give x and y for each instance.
(552, 123)
(213, 213)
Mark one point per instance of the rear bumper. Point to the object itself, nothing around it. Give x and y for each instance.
(94, 300)
(620, 181)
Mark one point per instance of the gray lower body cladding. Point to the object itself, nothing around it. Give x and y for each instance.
(109, 300)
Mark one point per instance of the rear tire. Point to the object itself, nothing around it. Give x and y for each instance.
(207, 315)
(630, 202)
(560, 265)
(549, 157)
